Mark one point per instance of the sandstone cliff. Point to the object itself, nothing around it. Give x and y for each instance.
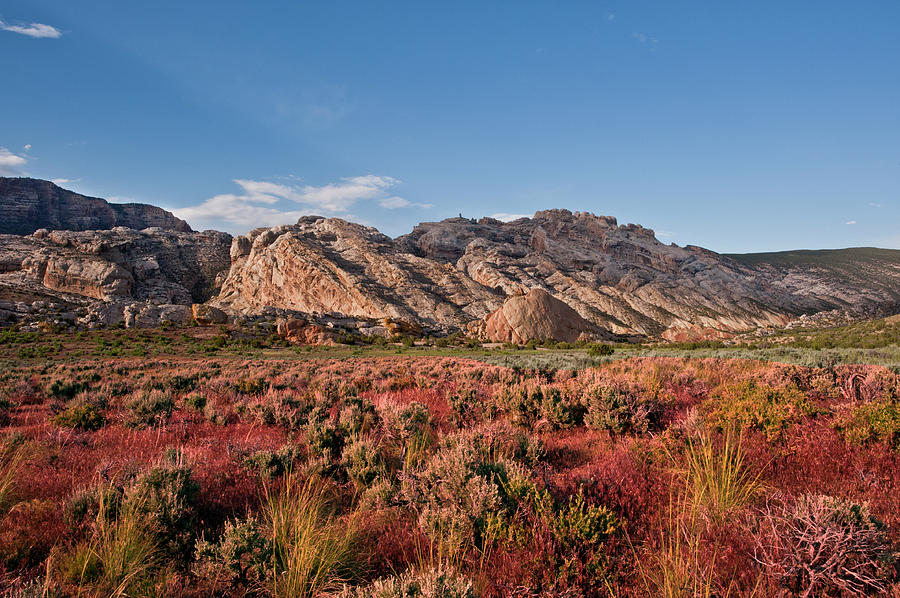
(105, 271)
(27, 205)
(447, 274)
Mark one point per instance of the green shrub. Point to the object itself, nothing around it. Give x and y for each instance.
(358, 416)
(876, 421)
(195, 401)
(149, 409)
(325, 439)
(621, 410)
(274, 464)
(579, 524)
(600, 350)
(167, 494)
(531, 404)
(434, 583)
(5, 409)
(364, 461)
(80, 415)
(462, 490)
(67, 390)
(240, 559)
(749, 405)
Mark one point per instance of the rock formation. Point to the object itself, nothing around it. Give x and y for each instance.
(557, 274)
(446, 274)
(27, 205)
(105, 271)
(537, 315)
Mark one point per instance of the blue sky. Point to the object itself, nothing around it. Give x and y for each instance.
(735, 126)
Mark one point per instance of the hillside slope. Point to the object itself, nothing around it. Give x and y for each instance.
(862, 279)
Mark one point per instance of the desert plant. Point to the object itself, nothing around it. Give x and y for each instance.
(719, 481)
(364, 462)
(600, 350)
(678, 568)
(10, 460)
(6, 407)
(240, 559)
(462, 489)
(273, 463)
(81, 415)
(620, 410)
(167, 495)
(875, 421)
(149, 409)
(121, 554)
(433, 583)
(312, 548)
(823, 546)
(754, 406)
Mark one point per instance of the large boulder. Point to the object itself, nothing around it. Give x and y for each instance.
(207, 314)
(300, 331)
(537, 315)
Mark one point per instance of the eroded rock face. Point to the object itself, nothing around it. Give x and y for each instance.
(27, 205)
(116, 267)
(537, 315)
(332, 266)
(446, 274)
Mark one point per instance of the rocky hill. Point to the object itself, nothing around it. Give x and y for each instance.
(27, 205)
(558, 272)
(445, 275)
(858, 279)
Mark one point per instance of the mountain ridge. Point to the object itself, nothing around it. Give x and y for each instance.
(31, 204)
(452, 274)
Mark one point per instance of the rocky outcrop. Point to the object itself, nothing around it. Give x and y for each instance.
(27, 205)
(440, 278)
(304, 332)
(446, 274)
(151, 315)
(537, 315)
(329, 266)
(858, 279)
(105, 271)
(204, 315)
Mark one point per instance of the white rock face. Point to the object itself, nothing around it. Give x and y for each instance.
(449, 273)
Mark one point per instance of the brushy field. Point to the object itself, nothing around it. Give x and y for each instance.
(167, 469)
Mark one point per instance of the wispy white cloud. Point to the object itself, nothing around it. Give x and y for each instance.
(11, 164)
(505, 217)
(850, 222)
(644, 38)
(393, 203)
(27, 147)
(64, 181)
(265, 203)
(32, 30)
(875, 204)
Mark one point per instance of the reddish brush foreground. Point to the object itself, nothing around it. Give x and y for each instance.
(448, 477)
